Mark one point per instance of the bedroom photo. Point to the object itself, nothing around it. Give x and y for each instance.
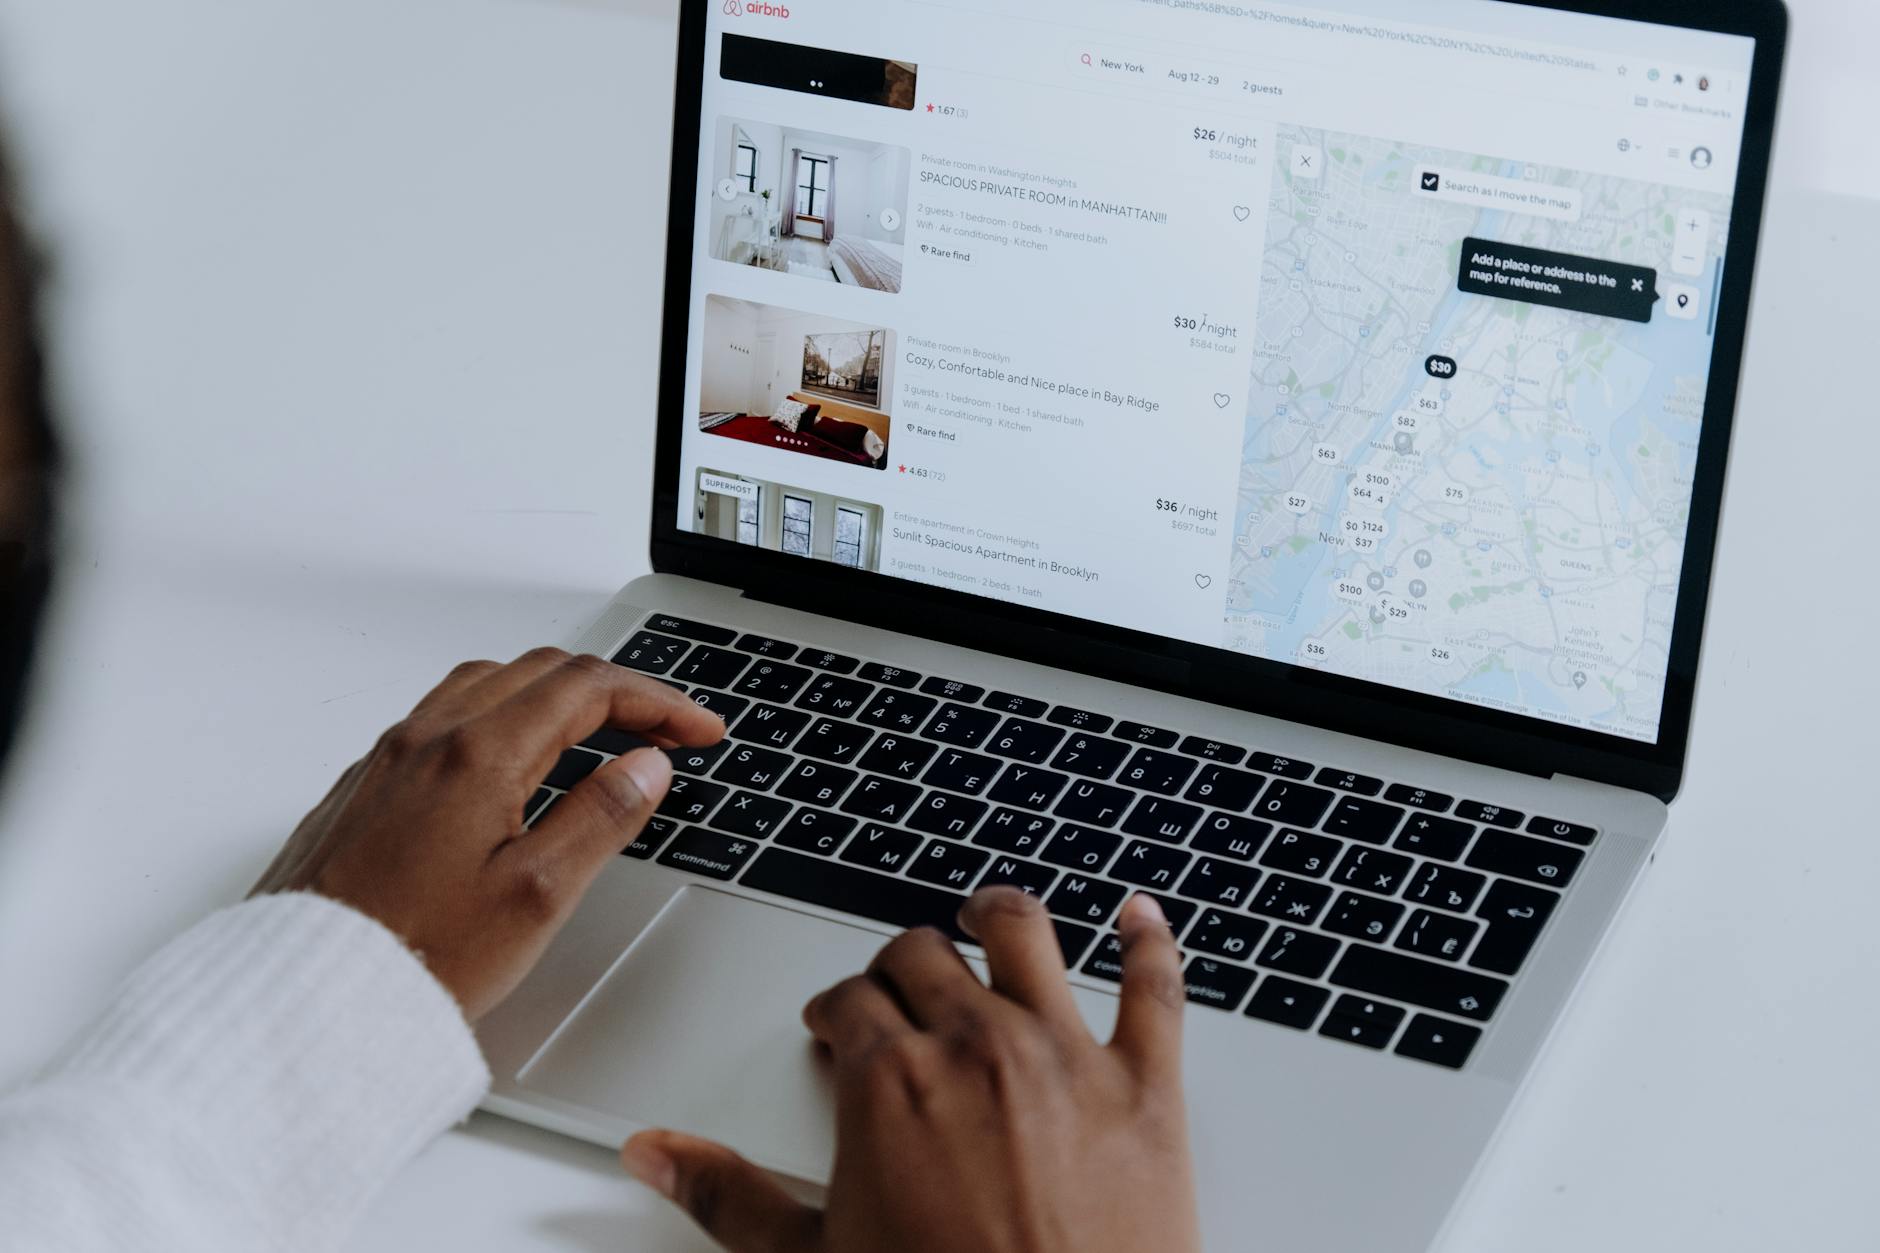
(790, 520)
(817, 206)
(798, 382)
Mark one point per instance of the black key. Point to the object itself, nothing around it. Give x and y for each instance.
(1349, 781)
(1362, 917)
(1158, 818)
(817, 783)
(898, 711)
(1027, 876)
(1418, 798)
(1219, 984)
(941, 814)
(1214, 750)
(1292, 803)
(886, 800)
(1492, 815)
(1301, 852)
(1444, 887)
(1081, 848)
(897, 902)
(893, 676)
(1289, 1004)
(771, 680)
(1370, 821)
(574, 765)
(726, 707)
(708, 853)
(1023, 706)
(837, 697)
(1083, 899)
(948, 864)
(749, 766)
(650, 653)
(1157, 771)
(836, 662)
(1295, 952)
(1359, 1020)
(898, 756)
(1097, 804)
(764, 646)
(690, 799)
(1438, 1041)
(1284, 767)
(655, 833)
(1084, 720)
(1226, 934)
(749, 814)
(1441, 838)
(1401, 978)
(815, 831)
(1220, 882)
(697, 760)
(1230, 835)
(1515, 914)
(534, 803)
(1025, 741)
(1150, 865)
(1290, 900)
(1014, 831)
(1107, 961)
(1072, 940)
(829, 740)
(703, 632)
(1442, 936)
(1027, 787)
(961, 725)
(1554, 829)
(711, 667)
(771, 725)
(614, 742)
(1137, 733)
(1178, 911)
(1518, 857)
(1224, 787)
(953, 689)
(1090, 755)
(880, 848)
(1373, 870)
(957, 770)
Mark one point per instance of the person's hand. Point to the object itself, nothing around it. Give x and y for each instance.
(425, 833)
(975, 1118)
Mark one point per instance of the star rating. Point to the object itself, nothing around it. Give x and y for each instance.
(903, 469)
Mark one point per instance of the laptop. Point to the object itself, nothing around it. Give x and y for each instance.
(1265, 455)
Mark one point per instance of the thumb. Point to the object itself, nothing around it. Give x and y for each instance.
(605, 812)
(734, 1202)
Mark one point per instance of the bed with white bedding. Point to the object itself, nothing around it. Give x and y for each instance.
(871, 263)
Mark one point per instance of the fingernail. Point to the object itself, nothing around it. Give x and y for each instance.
(650, 1164)
(1148, 908)
(650, 770)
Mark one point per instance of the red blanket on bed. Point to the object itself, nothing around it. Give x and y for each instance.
(755, 430)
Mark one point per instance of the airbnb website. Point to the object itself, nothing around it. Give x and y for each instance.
(1367, 346)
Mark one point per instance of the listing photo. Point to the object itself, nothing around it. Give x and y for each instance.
(818, 206)
(798, 382)
(791, 520)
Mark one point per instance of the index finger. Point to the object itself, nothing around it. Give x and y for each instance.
(1149, 1020)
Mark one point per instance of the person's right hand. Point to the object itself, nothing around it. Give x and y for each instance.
(976, 1118)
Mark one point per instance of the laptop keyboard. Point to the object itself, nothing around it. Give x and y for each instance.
(1375, 912)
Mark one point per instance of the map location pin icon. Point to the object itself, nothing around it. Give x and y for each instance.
(1579, 678)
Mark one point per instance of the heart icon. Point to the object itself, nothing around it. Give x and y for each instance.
(1222, 400)
(1204, 581)
(1242, 213)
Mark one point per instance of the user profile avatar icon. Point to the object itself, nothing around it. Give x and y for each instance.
(1701, 158)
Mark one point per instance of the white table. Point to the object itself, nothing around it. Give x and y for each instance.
(358, 321)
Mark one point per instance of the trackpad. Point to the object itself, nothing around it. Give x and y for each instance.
(699, 1028)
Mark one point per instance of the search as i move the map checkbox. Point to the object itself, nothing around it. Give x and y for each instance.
(1513, 195)
(1432, 181)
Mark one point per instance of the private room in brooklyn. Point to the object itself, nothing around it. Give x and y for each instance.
(791, 520)
(817, 206)
(797, 382)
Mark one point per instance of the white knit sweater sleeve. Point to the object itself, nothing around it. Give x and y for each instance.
(250, 1088)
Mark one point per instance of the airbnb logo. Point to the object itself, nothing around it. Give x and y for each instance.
(739, 8)
(734, 8)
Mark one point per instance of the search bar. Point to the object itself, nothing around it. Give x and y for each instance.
(1174, 73)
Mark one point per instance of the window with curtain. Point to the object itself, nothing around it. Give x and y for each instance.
(851, 532)
(812, 185)
(745, 171)
(747, 517)
(796, 526)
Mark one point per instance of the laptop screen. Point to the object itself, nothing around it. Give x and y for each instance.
(1305, 331)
